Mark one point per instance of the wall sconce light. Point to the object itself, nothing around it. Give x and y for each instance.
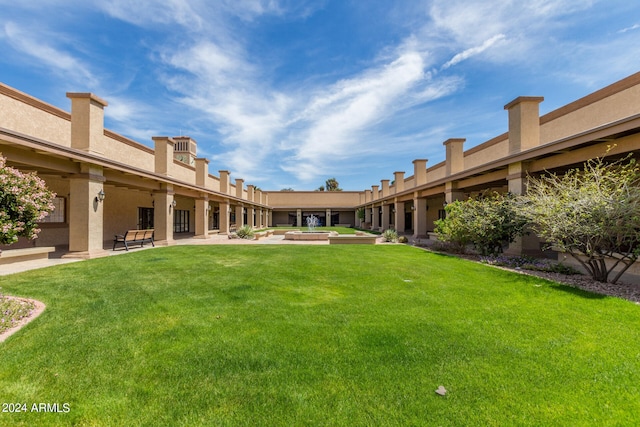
(100, 196)
(445, 204)
(230, 210)
(172, 205)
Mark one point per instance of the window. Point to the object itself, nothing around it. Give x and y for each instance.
(58, 213)
(181, 221)
(145, 218)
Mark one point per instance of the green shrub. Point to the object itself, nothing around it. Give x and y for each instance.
(245, 232)
(590, 213)
(489, 222)
(390, 236)
(402, 239)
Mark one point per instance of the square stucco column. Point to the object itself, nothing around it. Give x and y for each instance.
(452, 193)
(87, 122)
(385, 217)
(375, 220)
(224, 217)
(250, 216)
(239, 216)
(398, 179)
(524, 123)
(298, 217)
(163, 217)
(399, 217)
(202, 218)
(368, 216)
(419, 217)
(86, 213)
(517, 179)
(454, 155)
(328, 217)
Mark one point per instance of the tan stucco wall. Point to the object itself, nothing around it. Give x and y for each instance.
(137, 157)
(611, 108)
(30, 116)
(484, 154)
(313, 199)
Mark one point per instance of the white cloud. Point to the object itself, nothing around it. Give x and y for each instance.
(336, 124)
(468, 53)
(631, 28)
(38, 45)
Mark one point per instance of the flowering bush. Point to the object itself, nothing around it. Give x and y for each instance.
(24, 201)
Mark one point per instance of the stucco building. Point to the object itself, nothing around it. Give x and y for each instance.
(170, 189)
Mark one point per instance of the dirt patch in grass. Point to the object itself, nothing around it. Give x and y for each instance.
(35, 309)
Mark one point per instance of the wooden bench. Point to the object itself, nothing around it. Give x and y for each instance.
(133, 237)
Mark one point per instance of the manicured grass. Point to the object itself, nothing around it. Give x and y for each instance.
(316, 335)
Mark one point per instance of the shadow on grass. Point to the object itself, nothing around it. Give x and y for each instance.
(577, 291)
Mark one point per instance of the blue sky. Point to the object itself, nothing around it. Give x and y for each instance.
(287, 93)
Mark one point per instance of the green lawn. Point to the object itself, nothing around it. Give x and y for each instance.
(316, 335)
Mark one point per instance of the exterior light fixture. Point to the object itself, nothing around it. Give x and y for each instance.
(100, 196)
(172, 205)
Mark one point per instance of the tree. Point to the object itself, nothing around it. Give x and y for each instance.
(593, 214)
(24, 200)
(332, 184)
(489, 222)
(287, 189)
(321, 188)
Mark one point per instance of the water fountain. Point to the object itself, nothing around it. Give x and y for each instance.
(312, 223)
